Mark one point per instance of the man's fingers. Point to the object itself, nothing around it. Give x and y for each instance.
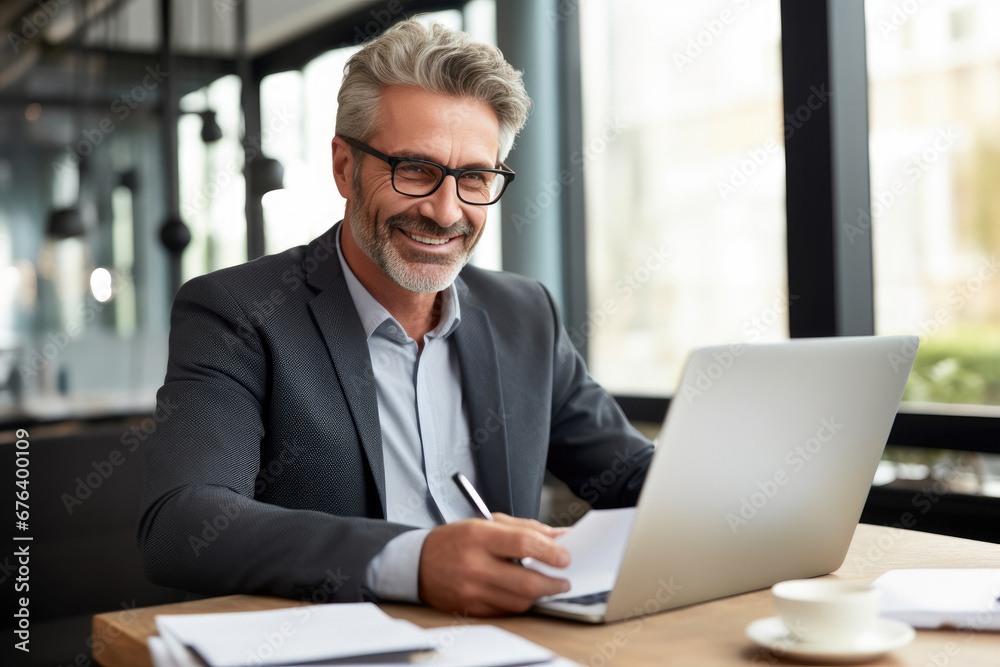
(511, 541)
(510, 596)
(506, 519)
(532, 585)
(490, 601)
(466, 566)
(512, 602)
(523, 582)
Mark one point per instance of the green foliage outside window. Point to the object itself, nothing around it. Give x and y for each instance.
(960, 367)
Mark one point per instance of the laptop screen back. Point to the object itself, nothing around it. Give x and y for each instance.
(761, 469)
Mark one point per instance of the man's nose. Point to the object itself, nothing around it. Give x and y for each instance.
(443, 206)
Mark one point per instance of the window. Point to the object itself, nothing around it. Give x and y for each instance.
(684, 171)
(933, 74)
(962, 22)
(212, 191)
(933, 103)
(935, 163)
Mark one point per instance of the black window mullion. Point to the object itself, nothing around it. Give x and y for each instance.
(805, 63)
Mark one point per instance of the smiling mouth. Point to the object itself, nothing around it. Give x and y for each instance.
(427, 240)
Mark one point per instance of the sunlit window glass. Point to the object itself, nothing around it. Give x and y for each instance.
(934, 81)
(684, 169)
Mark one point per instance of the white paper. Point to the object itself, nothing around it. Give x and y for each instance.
(468, 646)
(179, 655)
(483, 646)
(931, 598)
(596, 544)
(160, 656)
(456, 646)
(297, 634)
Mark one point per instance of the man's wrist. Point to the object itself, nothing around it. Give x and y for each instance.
(393, 573)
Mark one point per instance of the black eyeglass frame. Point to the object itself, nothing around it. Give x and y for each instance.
(445, 172)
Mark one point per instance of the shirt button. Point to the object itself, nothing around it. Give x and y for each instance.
(392, 329)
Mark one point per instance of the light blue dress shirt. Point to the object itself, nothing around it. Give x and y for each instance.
(425, 433)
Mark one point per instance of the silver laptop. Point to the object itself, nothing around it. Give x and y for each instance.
(760, 473)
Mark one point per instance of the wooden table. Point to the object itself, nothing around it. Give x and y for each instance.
(702, 635)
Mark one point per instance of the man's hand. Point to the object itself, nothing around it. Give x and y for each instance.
(466, 566)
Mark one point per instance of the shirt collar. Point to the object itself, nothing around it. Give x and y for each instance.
(374, 316)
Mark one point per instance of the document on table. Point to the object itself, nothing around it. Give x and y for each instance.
(968, 599)
(298, 634)
(343, 635)
(596, 544)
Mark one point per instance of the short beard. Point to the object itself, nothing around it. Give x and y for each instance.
(429, 273)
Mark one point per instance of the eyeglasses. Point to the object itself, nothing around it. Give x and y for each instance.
(420, 178)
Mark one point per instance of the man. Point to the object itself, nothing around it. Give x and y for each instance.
(319, 401)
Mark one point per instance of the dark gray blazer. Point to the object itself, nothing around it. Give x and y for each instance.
(265, 474)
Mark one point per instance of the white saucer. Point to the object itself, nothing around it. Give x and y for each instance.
(886, 635)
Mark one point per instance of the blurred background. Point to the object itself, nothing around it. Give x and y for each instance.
(730, 171)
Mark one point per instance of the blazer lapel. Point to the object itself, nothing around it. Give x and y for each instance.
(477, 355)
(344, 336)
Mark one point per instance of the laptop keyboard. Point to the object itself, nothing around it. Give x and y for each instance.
(593, 598)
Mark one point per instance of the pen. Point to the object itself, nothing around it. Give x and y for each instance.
(471, 495)
(475, 500)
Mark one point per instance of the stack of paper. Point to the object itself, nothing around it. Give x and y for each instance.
(344, 635)
(968, 599)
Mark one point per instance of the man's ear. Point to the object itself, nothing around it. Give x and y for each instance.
(343, 167)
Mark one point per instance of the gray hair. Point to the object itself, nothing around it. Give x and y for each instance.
(435, 59)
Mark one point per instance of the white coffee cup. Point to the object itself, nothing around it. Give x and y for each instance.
(826, 611)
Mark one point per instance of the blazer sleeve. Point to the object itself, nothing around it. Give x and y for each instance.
(200, 528)
(592, 447)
